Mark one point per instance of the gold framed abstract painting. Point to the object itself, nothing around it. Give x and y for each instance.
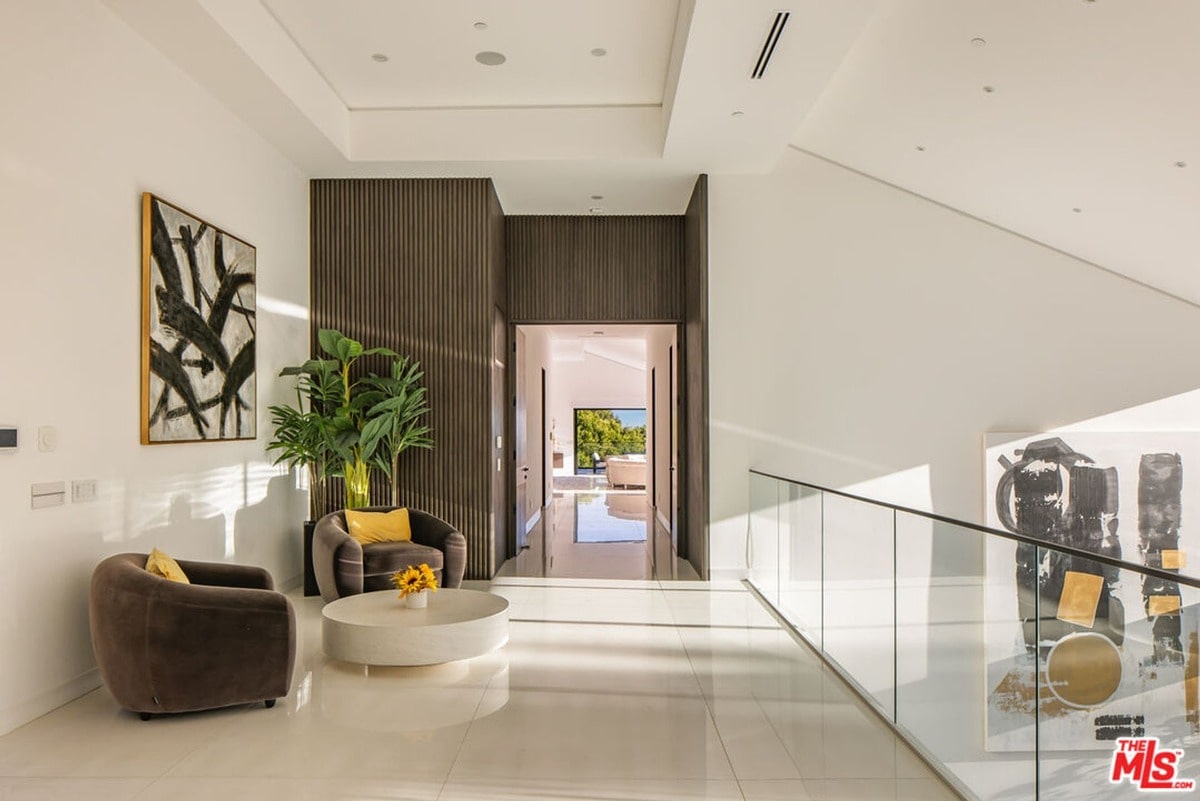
(198, 379)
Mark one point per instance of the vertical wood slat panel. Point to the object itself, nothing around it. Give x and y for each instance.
(409, 264)
(502, 483)
(694, 456)
(582, 269)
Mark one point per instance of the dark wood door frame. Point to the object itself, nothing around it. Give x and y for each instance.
(680, 424)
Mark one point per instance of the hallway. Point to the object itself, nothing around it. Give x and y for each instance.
(611, 691)
(598, 534)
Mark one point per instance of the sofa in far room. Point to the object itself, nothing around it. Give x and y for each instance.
(627, 470)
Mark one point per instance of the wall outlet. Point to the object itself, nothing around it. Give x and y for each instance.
(83, 491)
(47, 493)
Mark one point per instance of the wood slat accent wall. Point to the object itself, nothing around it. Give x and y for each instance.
(595, 268)
(500, 521)
(417, 265)
(695, 380)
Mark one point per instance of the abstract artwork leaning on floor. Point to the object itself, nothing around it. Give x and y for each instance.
(1106, 652)
(198, 325)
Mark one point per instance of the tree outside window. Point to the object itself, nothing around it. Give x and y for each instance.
(600, 432)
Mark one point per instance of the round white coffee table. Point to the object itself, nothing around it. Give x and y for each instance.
(375, 628)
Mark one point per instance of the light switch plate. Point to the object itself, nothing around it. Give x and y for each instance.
(83, 491)
(47, 493)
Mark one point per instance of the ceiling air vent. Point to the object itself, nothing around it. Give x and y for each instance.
(768, 48)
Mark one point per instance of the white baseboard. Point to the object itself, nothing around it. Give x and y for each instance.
(727, 573)
(48, 701)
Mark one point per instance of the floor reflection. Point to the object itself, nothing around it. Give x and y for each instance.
(610, 516)
(599, 534)
(384, 699)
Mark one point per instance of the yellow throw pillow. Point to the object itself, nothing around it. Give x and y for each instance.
(162, 565)
(368, 527)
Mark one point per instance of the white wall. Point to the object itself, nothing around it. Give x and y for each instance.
(862, 334)
(93, 117)
(589, 383)
(864, 338)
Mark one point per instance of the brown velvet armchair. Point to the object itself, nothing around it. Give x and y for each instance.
(162, 646)
(344, 567)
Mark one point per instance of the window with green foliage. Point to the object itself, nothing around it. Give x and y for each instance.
(608, 432)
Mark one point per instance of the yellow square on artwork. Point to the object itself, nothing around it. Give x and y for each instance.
(1162, 605)
(1174, 560)
(1080, 597)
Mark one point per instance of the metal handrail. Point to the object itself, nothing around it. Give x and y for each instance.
(1145, 570)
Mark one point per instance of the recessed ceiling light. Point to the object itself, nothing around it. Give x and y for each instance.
(989, 89)
(490, 58)
(596, 210)
(599, 51)
(979, 41)
(480, 26)
(597, 197)
(597, 333)
(738, 114)
(380, 57)
(1181, 164)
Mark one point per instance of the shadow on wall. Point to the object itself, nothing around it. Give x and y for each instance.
(216, 522)
(190, 529)
(282, 509)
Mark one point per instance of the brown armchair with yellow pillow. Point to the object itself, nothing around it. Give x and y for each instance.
(358, 550)
(190, 635)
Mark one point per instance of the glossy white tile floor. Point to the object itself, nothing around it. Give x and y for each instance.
(606, 691)
(569, 540)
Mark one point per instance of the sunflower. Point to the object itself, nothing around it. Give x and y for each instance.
(409, 581)
(430, 579)
(415, 579)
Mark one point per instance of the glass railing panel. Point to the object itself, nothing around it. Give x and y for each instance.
(800, 563)
(958, 639)
(1118, 656)
(763, 547)
(858, 598)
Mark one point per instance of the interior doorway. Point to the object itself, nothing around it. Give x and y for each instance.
(594, 450)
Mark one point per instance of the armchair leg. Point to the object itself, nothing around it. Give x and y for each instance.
(270, 702)
(145, 715)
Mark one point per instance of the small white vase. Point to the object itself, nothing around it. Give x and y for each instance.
(417, 600)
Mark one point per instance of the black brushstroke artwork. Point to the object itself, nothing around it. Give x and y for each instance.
(1080, 512)
(1085, 517)
(1112, 727)
(201, 381)
(1160, 498)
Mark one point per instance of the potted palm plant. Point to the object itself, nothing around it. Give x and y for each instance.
(394, 419)
(342, 425)
(303, 435)
(348, 418)
(304, 439)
